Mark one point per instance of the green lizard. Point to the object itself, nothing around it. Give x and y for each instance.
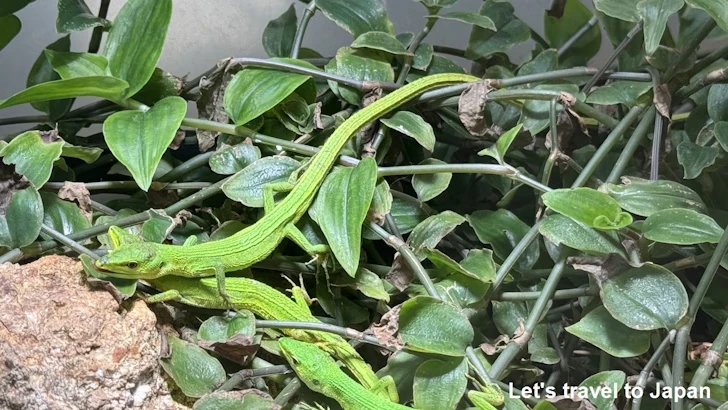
(321, 374)
(263, 301)
(256, 242)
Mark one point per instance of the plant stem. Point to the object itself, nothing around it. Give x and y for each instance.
(627, 39)
(558, 295)
(67, 241)
(288, 392)
(238, 377)
(95, 42)
(105, 185)
(711, 359)
(102, 208)
(293, 68)
(693, 43)
(492, 169)
(549, 164)
(576, 36)
(510, 261)
(25, 119)
(186, 167)
(534, 317)
(607, 145)
(416, 41)
(308, 13)
(659, 129)
(647, 370)
(633, 143)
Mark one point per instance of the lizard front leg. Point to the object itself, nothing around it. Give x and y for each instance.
(293, 233)
(269, 191)
(487, 399)
(386, 385)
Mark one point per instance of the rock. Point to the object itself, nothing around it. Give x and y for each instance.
(65, 345)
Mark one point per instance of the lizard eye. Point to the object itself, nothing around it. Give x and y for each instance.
(132, 265)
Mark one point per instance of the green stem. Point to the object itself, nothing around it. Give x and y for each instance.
(510, 261)
(647, 370)
(293, 68)
(693, 42)
(102, 208)
(67, 241)
(97, 34)
(712, 358)
(549, 164)
(416, 41)
(658, 130)
(607, 145)
(288, 392)
(321, 327)
(638, 136)
(106, 185)
(576, 36)
(558, 295)
(492, 169)
(708, 60)
(239, 377)
(308, 13)
(186, 167)
(627, 39)
(25, 119)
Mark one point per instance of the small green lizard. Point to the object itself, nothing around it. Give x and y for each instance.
(263, 301)
(256, 242)
(321, 374)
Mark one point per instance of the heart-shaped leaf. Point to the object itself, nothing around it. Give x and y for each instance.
(135, 41)
(440, 384)
(63, 216)
(502, 230)
(510, 31)
(644, 197)
(378, 40)
(588, 206)
(717, 9)
(21, 219)
(74, 15)
(619, 92)
(231, 159)
(625, 10)
(138, 139)
(192, 368)
(33, 155)
(645, 298)
(429, 186)
(341, 207)
(429, 325)
(358, 64)
(561, 229)
(603, 388)
(254, 90)
(695, 158)
(430, 232)
(681, 227)
(357, 17)
(247, 185)
(599, 328)
(500, 148)
(654, 14)
(279, 34)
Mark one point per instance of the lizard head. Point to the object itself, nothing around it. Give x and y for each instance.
(131, 258)
(308, 361)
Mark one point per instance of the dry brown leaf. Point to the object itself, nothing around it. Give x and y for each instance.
(238, 348)
(386, 330)
(76, 191)
(177, 141)
(471, 107)
(210, 105)
(663, 101)
(602, 268)
(400, 275)
(10, 183)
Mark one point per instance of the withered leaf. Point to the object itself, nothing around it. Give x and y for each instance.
(10, 183)
(210, 105)
(238, 348)
(471, 107)
(76, 191)
(386, 330)
(400, 275)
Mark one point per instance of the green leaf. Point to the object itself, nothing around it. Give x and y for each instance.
(432, 326)
(536, 113)
(695, 158)
(588, 206)
(718, 102)
(612, 380)
(138, 139)
(665, 57)
(192, 368)
(561, 229)
(644, 197)
(437, 4)
(42, 72)
(135, 41)
(502, 230)
(63, 216)
(361, 65)
(377, 40)
(11, 6)
(86, 154)
(341, 207)
(254, 90)
(103, 87)
(423, 56)
(33, 155)
(9, 28)
(599, 328)
(430, 232)
(127, 287)
(21, 220)
(357, 17)
(429, 186)
(655, 13)
(227, 229)
(407, 215)
(242, 399)
(467, 18)
(645, 298)
(160, 86)
(510, 31)
(74, 15)
(279, 34)
(381, 202)
(619, 92)
(717, 9)
(440, 384)
(625, 10)
(156, 228)
(412, 125)
(681, 227)
(509, 316)
(558, 29)
(500, 148)
(368, 283)
(466, 284)
(221, 329)
(72, 65)
(231, 159)
(247, 185)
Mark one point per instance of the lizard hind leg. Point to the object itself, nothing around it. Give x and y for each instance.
(386, 387)
(269, 191)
